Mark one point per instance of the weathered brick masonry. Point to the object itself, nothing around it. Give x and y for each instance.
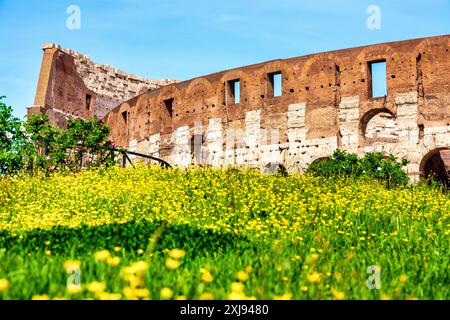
(71, 84)
(326, 103)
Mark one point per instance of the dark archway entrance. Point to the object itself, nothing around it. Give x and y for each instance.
(436, 166)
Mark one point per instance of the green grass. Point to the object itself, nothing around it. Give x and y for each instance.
(285, 229)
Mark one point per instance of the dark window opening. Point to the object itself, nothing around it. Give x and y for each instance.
(169, 105)
(125, 117)
(377, 79)
(275, 84)
(88, 101)
(233, 92)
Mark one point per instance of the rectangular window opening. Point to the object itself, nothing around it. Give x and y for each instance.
(125, 117)
(169, 105)
(88, 101)
(275, 85)
(378, 79)
(234, 91)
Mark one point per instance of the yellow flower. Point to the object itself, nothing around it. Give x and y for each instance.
(304, 289)
(236, 296)
(71, 265)
(74, 288)
(4, 284)
(117, 248)
(177, 254)
(40, 297)
(248, 269)
(180, 298)
(109, 296)
(113, 261)
(385, 296)
(237, 287)
(241, 276)
(206, 277)
(313, 277)
(48, 252)
(286, 296)
(141, 292)
(47, 243)
(102, 255)
(206, 296)
(96, 287)
(166, 293)
(338, 295)
(403, 278)
(172, 264)
(140, 251)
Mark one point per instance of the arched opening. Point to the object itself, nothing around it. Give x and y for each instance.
(379, 126)
(436, 166)
(319, 160)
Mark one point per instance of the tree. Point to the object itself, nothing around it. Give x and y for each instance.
(12, 140)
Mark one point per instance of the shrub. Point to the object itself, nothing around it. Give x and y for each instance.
(12, 141)
(386, 169)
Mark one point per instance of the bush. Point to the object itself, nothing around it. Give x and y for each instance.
(85, 143)
(12, 141)
(386, 169)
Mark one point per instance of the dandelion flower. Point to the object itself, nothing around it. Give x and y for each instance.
(102, 255)
(206, 296)
(4, 285)
(241, 276)
(172, 264)
(96, 287)
(71, 265)
(166, 293)
(113, 261)
(177, 254)
(313, 277)
(338, 295)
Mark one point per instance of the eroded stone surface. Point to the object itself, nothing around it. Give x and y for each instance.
(325, 104)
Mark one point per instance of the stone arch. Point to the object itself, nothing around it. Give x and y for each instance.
(170, 92)
(319, 159)
(197, 93)
(379, 125)
(436, 163)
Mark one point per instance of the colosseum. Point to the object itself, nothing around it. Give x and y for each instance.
(287, 111)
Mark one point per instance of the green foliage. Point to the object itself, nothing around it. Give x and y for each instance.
(374, 165)
(83, 144)
(12, 141)
(36, 144)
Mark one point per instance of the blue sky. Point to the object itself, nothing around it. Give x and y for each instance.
(183, 39)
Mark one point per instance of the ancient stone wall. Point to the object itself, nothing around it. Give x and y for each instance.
(71, 84)
(326, 103)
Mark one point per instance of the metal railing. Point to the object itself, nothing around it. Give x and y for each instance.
(126, 153)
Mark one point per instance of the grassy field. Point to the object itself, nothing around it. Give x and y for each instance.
(150, 233)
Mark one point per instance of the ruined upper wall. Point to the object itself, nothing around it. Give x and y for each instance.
(319, 80)
(326, 103)
(70, 83)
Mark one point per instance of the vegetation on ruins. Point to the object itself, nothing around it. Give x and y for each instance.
(36, 144)
(387, 170)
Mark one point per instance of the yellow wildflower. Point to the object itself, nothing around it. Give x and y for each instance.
(172, 264)
(102, 255)
(177, 254)
(71, 265)
(4, 284)
(166, 293)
